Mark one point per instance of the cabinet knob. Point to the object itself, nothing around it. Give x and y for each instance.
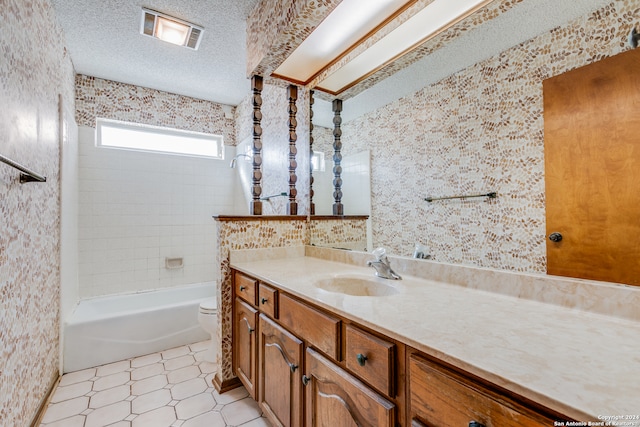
(242, 288)
(305, 380)
(250, 329)
(475, 424)
(293, 367)
(264, 300)
(361, 358)
(555, 237)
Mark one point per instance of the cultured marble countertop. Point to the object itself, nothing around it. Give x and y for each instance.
(581, 364)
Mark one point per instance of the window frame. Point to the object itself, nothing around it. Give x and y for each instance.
(158, 130)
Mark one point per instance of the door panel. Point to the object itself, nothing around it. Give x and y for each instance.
(280, 374)
(592, 170)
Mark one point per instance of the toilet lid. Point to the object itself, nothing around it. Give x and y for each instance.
(209, 304)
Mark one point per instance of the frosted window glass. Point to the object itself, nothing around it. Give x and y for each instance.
(138, 137)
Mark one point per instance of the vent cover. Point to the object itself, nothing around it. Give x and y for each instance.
(172, 30)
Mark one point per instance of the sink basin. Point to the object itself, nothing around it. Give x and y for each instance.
(356, 286)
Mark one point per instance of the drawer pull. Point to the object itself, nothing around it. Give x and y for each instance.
(242, 288)
(305, 380)
(362, 359)
(264, 300)
(475, 424)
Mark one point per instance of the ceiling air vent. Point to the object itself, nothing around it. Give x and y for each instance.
(170, 29)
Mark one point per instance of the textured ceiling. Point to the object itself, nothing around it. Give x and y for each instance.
(104, 41)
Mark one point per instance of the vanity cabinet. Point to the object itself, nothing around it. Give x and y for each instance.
(336, 398)
(442, 397)
(309, 366)
(280, 374)
(244, 344)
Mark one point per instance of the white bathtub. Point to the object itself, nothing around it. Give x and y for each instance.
(112, 328)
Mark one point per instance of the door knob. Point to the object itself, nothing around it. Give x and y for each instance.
(555, 237)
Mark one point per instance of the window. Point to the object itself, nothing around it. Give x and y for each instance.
(139, 137)
(317, 161)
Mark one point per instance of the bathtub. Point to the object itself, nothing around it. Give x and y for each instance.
(112, 328)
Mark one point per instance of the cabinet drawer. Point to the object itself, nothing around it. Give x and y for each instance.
(371, 358)
(245, 288)
(317, 328)
(439, 397)
(268, 300)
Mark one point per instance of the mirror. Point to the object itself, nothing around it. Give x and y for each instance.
(468, 119)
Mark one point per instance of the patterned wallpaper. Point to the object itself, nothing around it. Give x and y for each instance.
(34, 70)
(120, 101)
(478, 130)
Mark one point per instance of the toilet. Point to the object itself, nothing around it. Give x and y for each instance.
(208, 318)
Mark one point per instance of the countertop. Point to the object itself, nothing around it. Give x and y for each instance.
(581, 364)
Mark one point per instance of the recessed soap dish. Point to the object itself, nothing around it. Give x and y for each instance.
(173, 263)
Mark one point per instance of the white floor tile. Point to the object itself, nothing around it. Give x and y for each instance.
(172, 388)
(179, 362)
(110, 381)
(183, 374)
(209, 419)
(240, 412)
(147, 371)
(109, 396)
(108, 415)
(145, 360)
(71, 391)
(161, 417)
(195, 405)
(175, 352)
(200, 346)
(150, 401)
(258, 422)
(76, 377)
(76, 421)
(188, 388)
(231, 396)
(149, 384)
(113, 368)
(66, 409)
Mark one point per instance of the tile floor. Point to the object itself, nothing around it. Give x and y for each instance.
(171, 388)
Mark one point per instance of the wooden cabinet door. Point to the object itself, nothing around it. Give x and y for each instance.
(337, 399)
(244, 344)
(592, 170)
(439, 398)
(280, 374)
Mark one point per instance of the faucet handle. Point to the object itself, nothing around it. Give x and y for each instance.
(379, 253)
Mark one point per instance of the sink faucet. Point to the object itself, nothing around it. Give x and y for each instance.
(382, 265)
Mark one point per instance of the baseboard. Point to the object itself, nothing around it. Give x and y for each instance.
(226, 385)
(55, 379)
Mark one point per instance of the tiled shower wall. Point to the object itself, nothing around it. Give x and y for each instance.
(137, 209)
(478, 130)
(34, 70)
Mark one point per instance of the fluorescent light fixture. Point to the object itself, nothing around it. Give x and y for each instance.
(424, 25)
(170, 29)
(346, 25)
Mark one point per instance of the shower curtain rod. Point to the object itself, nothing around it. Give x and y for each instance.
(492, 195)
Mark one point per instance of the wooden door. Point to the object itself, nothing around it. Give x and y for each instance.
(244, 344)
(337, 399)
(280, 374)
(592, 170)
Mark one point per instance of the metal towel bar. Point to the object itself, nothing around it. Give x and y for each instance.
(492, 195)
(27, 175)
